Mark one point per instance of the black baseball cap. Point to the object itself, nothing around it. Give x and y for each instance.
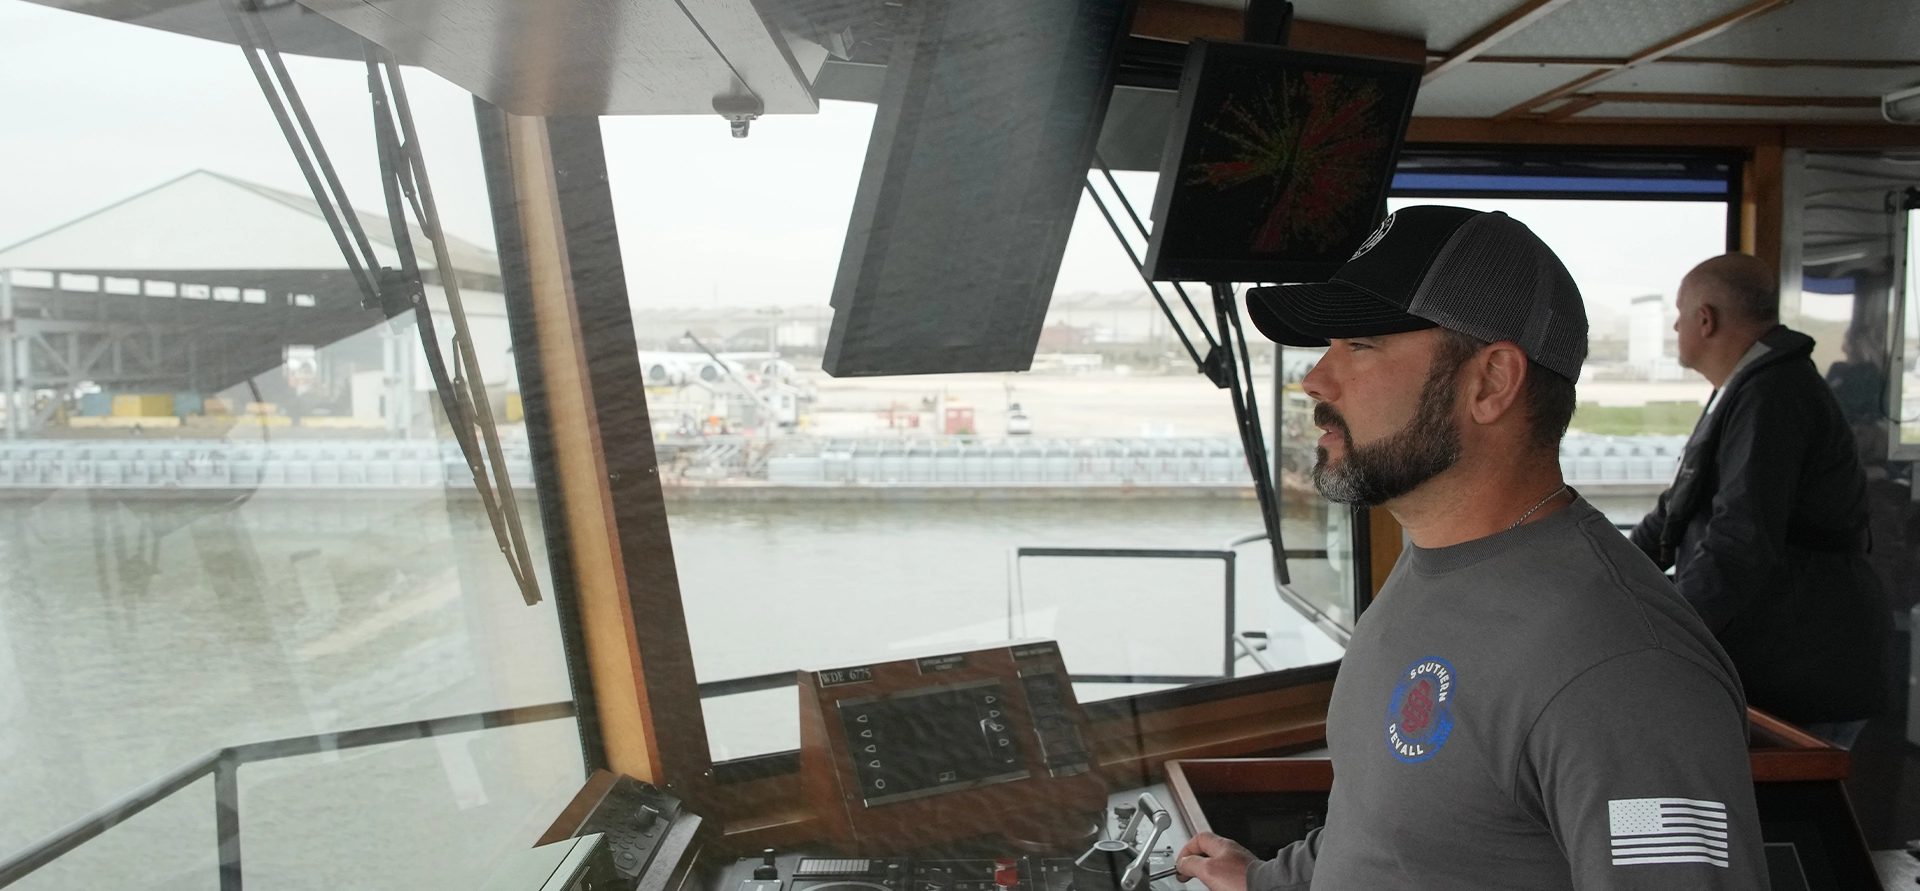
(1483, 274)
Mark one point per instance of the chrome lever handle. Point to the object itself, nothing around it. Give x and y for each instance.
(1135, 878)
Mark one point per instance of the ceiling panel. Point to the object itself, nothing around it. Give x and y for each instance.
(1862, 170)
(1613, 28)
(581, 57)
(1725, 112)
(1484, 89)
(296, 30)
(1824, 29)
(1443, 23)
(571, 57)
(1452, 22)
(1676, 77)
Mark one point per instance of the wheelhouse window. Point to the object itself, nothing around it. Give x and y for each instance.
(1628, 226)
(234, 524)
(821, 521)
(1855, 291)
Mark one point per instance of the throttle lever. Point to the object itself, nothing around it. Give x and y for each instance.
(1136, 878)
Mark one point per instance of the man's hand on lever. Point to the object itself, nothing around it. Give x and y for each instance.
(1219, 863)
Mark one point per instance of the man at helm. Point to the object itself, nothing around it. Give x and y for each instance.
(1528, 704)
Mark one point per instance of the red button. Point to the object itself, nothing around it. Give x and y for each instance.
(1006, 872)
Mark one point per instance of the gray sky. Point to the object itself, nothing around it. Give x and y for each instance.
(98, 111)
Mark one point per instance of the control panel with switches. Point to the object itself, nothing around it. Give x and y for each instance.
(931, 740)
(897, 755)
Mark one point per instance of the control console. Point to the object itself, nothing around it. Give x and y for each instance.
(898, 755)
(930, 740)
(804, 873)
(1135, 853)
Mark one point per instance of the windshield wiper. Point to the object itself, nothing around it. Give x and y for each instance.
(404, 184)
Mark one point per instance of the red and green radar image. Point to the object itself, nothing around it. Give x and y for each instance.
(1307, 147)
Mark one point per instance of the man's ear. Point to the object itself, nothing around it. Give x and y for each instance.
(1500, 371)
(1709, 319)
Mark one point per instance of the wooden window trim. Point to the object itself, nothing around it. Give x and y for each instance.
(549, 185)
(1132, 750)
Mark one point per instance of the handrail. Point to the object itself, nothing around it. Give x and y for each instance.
(224, 764)
(372, 736)
(1249, 538)
(1313, 613)
(1245, 639)
(1295, 599)
(86, 828)
(1292, 553)
(778, 679)
(1016, 593)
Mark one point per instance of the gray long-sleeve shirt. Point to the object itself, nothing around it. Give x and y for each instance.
(1536, 709)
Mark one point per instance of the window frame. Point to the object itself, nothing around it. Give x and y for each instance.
(759, 797)
(601, 254)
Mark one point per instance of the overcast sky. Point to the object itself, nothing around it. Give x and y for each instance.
(97, 111)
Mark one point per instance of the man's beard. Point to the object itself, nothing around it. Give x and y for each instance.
(1379, 472)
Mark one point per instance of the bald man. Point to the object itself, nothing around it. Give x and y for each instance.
(1765, 524)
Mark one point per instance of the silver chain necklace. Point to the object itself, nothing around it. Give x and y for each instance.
(1543, 503)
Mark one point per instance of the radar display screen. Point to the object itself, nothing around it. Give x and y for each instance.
(930, 741)
(1278, 163)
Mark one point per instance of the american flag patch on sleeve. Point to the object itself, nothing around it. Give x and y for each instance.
(1667, 830)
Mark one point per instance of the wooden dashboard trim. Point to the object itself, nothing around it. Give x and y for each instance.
(1782, 734)
(1194, 749)
(1133, 756)
(770, 811)
(1782, 753)
(575, 814)
(1184, 800)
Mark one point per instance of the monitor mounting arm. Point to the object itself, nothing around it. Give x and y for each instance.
(1226, 363)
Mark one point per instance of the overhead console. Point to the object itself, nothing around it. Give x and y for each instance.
(976, 214)
(898, 755)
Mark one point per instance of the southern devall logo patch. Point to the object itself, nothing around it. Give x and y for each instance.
(1420, 714)
(1373, 239)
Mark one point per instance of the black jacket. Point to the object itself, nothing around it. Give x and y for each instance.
(1765, 528)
